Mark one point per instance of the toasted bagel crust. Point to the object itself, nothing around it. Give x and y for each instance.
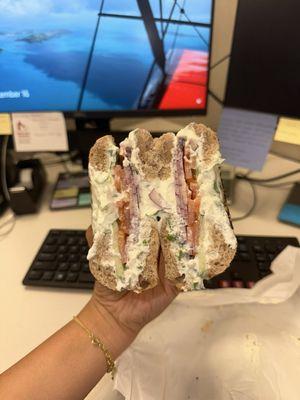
(154, 161)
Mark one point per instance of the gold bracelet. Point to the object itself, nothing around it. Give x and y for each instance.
(110, 364)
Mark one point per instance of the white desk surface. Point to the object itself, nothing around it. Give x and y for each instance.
(29, 315)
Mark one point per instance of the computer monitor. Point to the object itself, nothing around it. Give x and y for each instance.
(105, 57)
(264, 72)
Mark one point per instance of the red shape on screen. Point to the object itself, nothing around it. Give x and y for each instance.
(188, 84)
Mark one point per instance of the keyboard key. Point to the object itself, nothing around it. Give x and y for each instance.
(55, 232)
(39, 265)
(258, 249)
(224, 283)
(62, 240)
(241, 239)
(44, 265)
(86, 278)
(271, 256)
(35, 275)
(70, 233)
(71, 277)
(250, 284)
(51, 240)
(83, 258)
(264, 273)
(63, 266)
(281, 246)
(75, 267)
(73, 257)
(209, 284)
(263, 266)
(82, 241)
(63, 249)
(60, 276)
(74, 249)
(84, 249)
(242, 247)
(85, 267)
(261, 257)
(62, 257)
(49, 248)
(72, 240)
(48, 276)
(46, 257)
(244, 256)
(271, 248)
(236, 275)
(238, 284)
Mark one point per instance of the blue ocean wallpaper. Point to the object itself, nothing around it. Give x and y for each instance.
(89, 55)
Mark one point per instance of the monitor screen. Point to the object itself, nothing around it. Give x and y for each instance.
(109, 56)
(264, 73)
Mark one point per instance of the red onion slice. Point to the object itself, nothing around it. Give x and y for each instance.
(158, 200)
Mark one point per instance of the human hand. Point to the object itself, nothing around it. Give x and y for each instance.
(132, 310)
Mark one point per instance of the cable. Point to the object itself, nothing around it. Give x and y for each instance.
(274, 178)
(55, 162)
(12, 219)
(60, 158)
(7, 221)
(3, 168)
(276, 185)
(251, 209)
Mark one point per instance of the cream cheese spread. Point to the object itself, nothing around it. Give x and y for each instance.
(212, 212)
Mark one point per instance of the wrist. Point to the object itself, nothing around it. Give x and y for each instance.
(116, 338)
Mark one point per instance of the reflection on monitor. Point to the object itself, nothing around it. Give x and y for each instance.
(109, 55)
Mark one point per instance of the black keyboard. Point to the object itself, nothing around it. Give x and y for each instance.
(252, 261)
(61, 261)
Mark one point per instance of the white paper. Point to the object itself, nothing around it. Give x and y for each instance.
(246, 137)
(225, 344)
(40, 132)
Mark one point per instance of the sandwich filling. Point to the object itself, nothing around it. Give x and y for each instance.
(190, 200)
(200, 208)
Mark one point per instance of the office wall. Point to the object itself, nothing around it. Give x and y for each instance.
(222, 37)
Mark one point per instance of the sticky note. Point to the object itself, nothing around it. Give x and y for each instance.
(63, 203)
(40, 132)
(5, 124)
(84, 199)
(288, 131)
(246, 137)
(63, 193)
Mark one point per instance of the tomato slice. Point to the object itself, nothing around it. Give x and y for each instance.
(118, 175)
(193, 201)
(191, 212)
(126, 218)
(187, 170)
(197, 204)
(123, 212)
(122, 243)
(194, 188)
